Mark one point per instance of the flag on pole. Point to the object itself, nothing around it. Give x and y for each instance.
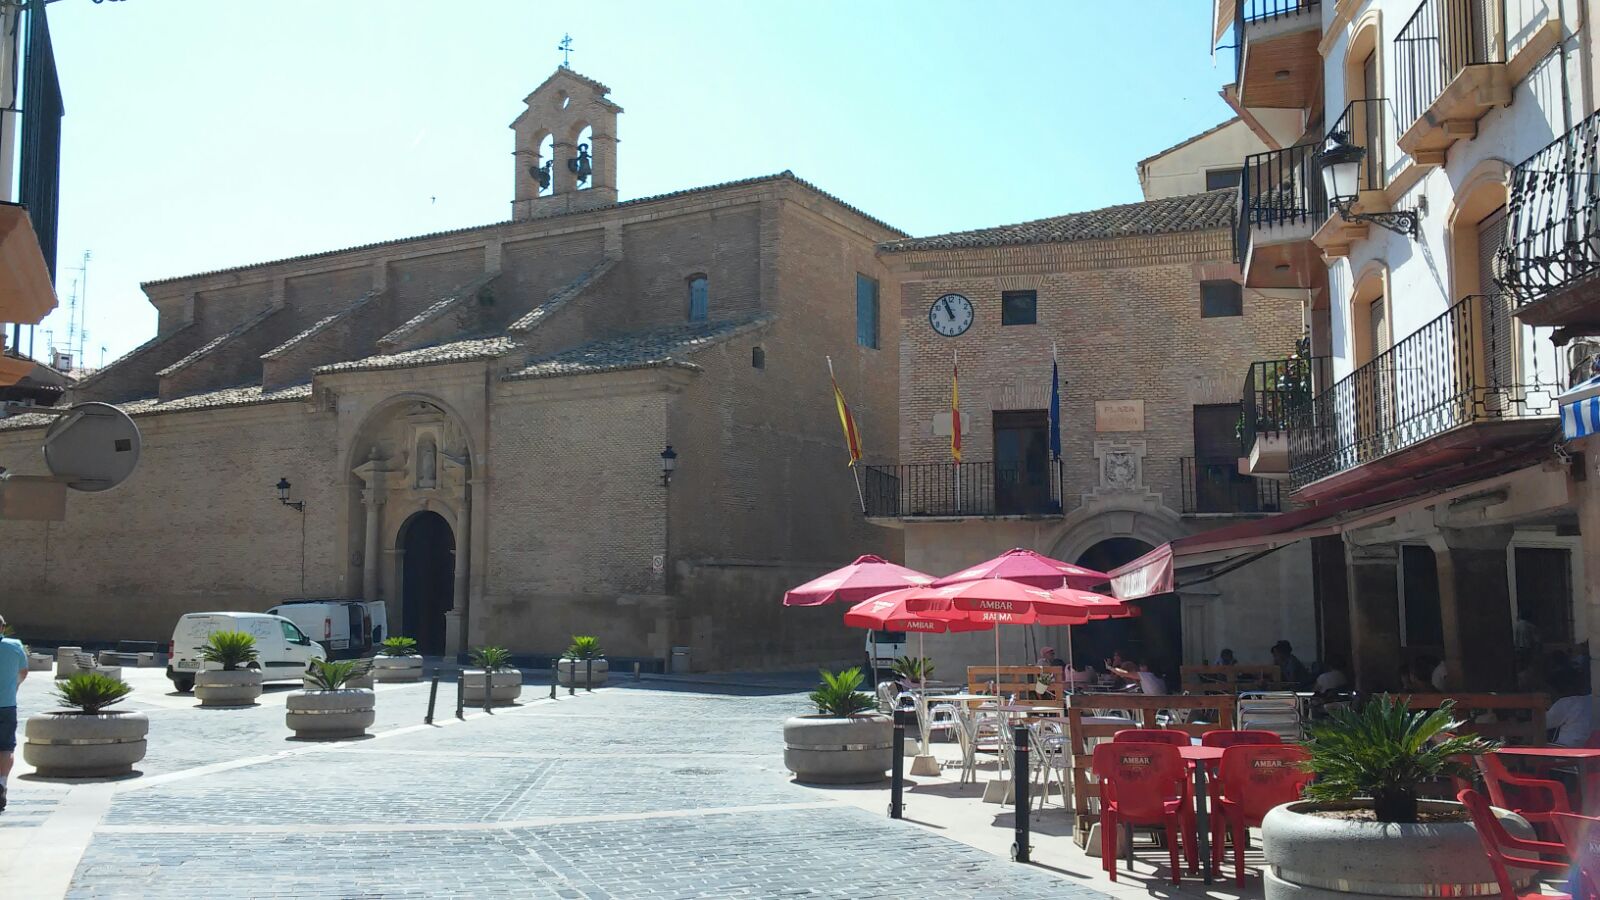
(1055, 405)
(852, 438)
(955, 410)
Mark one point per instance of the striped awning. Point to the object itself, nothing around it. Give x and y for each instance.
(1580, 409)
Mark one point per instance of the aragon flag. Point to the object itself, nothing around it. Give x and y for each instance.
(847, 421)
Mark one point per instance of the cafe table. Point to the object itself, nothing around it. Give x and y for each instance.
(1201, 759)
(1585, 758)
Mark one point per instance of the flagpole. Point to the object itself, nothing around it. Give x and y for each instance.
(854, 473)
(955, 426)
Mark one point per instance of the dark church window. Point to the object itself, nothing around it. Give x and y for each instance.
(1019, 308)
(867, 311)
(758, 358)
(699, 298)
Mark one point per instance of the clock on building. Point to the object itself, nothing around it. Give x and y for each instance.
(951, 315)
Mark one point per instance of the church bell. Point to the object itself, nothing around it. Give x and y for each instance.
(580, 165)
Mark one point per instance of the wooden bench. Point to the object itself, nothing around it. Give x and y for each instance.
(1516, 719)
(1143, 708)
(1231, 679)
(1008, 680)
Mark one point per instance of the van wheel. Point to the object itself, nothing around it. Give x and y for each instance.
(184, 683)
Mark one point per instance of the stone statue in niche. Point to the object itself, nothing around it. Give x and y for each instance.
(427, 463)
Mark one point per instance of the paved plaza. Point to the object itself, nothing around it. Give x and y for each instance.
(647, 789)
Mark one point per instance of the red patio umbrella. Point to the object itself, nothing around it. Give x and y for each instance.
(863, 579)
(1029, 568)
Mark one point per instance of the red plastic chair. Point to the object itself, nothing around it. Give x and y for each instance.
(1153, 736)
(1140, 784)
(1525, 854)
(1253, 779)
(1581, 834)
(1238, 736)
(1535, 799)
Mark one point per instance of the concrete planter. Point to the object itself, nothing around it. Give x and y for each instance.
(362, 681)
(81, 745)
(505, 686)
(67, 661)
(214, 687)
(827, 750)
(397, 668)
(328, 715)
(40, 662)
(577, 672)
(1311, 857)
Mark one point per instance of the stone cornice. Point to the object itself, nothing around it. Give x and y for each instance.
(1116, 253)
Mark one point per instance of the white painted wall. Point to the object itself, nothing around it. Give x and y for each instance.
(1182, 171)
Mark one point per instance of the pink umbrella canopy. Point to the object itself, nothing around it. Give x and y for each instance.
(889, 612)
(1003, 601)
(863, 579)
(1029, 568)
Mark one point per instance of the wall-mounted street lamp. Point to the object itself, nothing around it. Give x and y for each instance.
(1340, 164)
(283, 496)
(669, 464)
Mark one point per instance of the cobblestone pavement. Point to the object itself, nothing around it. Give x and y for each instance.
(640, 790)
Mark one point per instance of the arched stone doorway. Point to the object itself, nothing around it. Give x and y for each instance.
(1155, 637)
(427, 549)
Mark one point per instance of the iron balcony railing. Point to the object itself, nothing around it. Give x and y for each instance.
(1439, 42)
(1273, 389)
(1249, 11)
(1553, 227)
(1364, 124)
(1470, 364)
(1212, 484)
(1280, 187)
(965, 489)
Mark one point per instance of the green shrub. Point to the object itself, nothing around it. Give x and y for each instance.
(838, 696)
(491, 659)
(90, 692)
(913, 668)
(1383, 751)
(331, 675)
(231, 649)
(584, 646)
(400, 646)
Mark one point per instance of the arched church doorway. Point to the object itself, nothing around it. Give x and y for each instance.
(1155, 637)
(427, 579)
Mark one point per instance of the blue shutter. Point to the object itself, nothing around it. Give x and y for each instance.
(699, 299)
(866, 312)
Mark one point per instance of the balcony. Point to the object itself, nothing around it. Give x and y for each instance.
(1281, 205)
(1552, 252)
(968, 489)
(1272, 389)
(1277, 65)
(1213, 486)
(1364, 124)
(1450, 70)
(1468, 382)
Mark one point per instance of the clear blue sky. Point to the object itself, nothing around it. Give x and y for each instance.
(202, 134)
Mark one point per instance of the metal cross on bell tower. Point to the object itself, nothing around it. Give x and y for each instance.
(566, 50)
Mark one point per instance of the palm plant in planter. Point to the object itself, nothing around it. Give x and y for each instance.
(238, 680)
(912, 669)
(496, 683)
(846, 741)
(329, 707)
(84, 739)
(584, 664)
(399, 660)
(1363, 828)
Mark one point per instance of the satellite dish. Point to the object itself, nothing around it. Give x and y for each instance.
(94, 446)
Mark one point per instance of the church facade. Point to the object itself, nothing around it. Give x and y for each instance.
(474, 425)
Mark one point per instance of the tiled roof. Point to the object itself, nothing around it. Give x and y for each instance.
(568, 71)
(573, 288)
(785, 175)
(453, 352)
(468, 291)
(153, 342)
(247, 395)
(320, 324)
(209, 346)
(1196, 212)
(642, 350)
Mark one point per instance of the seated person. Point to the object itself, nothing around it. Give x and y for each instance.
(1415, 679)
(1143, 679)
(1440, 677)
(1569, 716)
(1119, 667)
(1227, 658)
(1332, 680)
(1049, 657)
(1292, 669)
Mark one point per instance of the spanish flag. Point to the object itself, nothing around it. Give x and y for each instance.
(955, 410)
(851, 437)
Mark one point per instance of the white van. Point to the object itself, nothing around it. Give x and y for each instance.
(282, 649)
(346, 628)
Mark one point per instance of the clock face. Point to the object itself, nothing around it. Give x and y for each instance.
(950, 315)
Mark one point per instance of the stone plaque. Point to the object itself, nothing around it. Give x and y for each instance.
(1119, 415)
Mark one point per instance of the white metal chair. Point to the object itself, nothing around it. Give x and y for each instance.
(1053, 754)
(1275, 711)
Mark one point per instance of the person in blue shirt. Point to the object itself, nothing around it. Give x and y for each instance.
(13, 669)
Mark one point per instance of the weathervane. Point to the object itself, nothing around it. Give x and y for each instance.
(566, 50)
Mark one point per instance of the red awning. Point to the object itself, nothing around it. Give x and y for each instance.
(1228, 548)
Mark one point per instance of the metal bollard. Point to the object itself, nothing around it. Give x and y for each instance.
(572, 679)
(897, 776)
(1019, 773)
(433, 696)
(488, 689)
(555, 672)
(461, 694)
(588, 675)
(635, 671)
